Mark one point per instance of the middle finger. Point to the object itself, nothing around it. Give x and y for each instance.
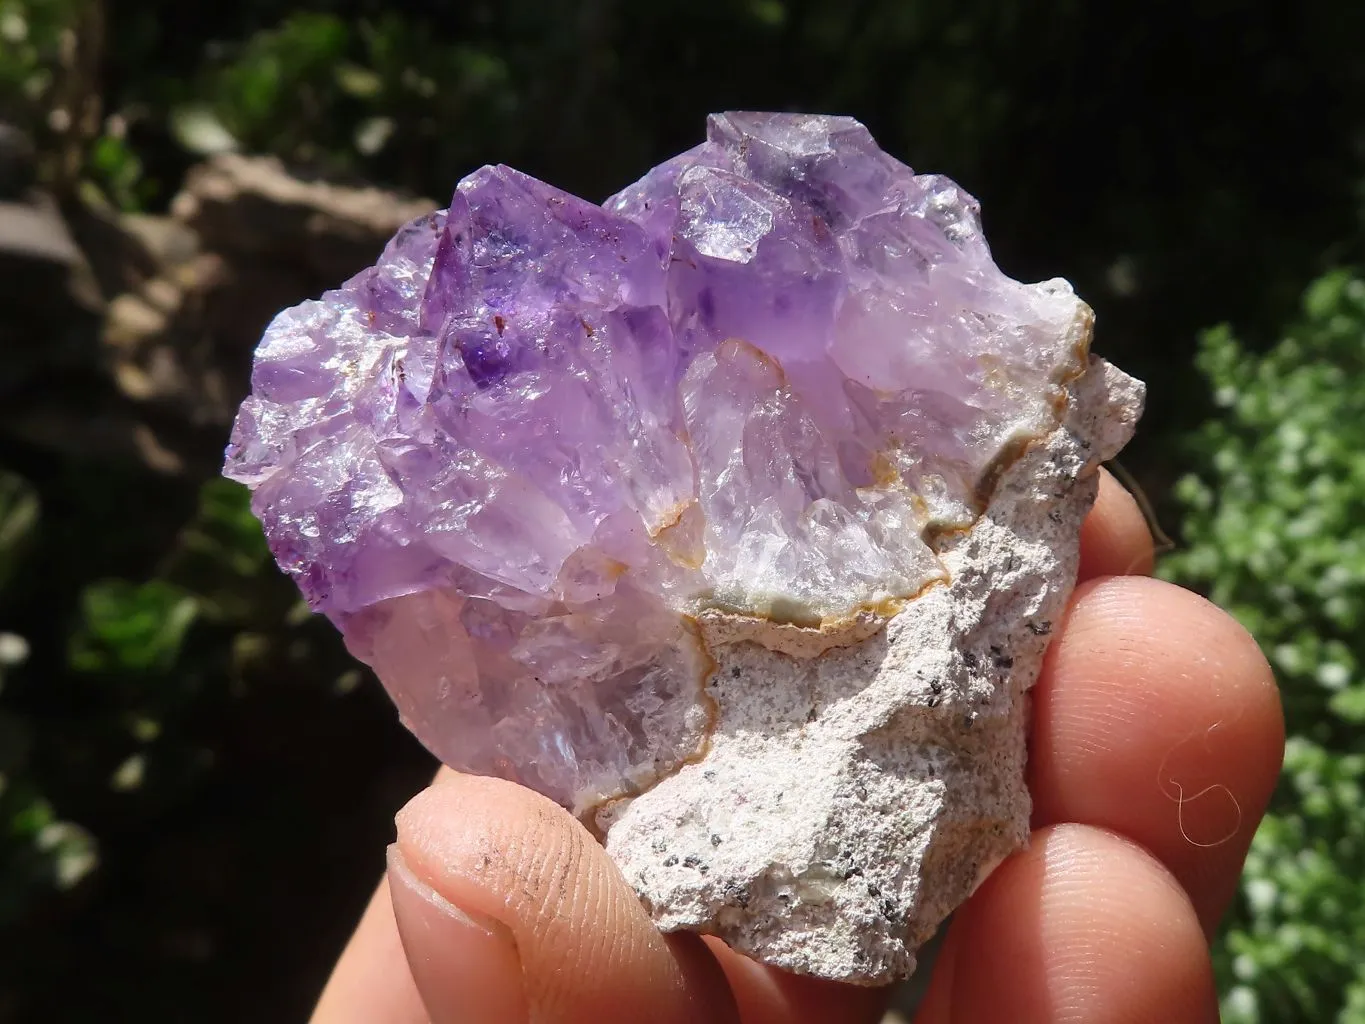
(1157, 717)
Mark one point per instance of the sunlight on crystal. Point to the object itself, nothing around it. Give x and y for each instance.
(515, 458)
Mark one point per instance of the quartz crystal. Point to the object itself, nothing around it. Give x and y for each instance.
(546, 459)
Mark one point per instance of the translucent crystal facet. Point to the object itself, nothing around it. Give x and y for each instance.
(518, 457)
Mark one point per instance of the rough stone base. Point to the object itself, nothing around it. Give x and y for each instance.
(850, 801)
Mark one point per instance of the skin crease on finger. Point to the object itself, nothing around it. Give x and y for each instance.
(1157, 717)
(588, 950)
(1083, 927)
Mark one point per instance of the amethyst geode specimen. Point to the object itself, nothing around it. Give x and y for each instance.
(732, 514)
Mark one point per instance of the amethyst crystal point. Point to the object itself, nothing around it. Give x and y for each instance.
(762, 462)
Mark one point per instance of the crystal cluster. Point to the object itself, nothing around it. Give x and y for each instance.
(733, 514)
(521, 458)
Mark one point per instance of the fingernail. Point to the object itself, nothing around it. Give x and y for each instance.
(466, 965)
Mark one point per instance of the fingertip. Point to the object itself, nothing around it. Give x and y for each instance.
(1157, 717)
(1082, 926)
(766, 995)
(465, 967)
(1115, 537)
(587, 949)
(937, 1006)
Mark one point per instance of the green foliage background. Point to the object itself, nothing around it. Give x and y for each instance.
(1275, 530)
(185, 755)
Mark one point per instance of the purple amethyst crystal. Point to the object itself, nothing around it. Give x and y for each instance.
(517, 459)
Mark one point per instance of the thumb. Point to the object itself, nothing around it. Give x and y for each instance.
(466, 967)
(509, 911)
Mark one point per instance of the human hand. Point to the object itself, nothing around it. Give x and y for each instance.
(1156, 741)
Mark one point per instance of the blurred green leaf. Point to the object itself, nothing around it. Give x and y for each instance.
(1275, 533)
(31, 819)
(131, 627)
(117, 170)
(197, 127)
(280, 76)
(372, 134)
(71, 849)
(223, 558)
(1349, 705)
(30, 39)
(360, 82)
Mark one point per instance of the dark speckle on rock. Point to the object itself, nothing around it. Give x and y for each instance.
(737, 894)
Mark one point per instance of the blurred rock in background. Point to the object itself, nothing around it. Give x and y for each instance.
(166, 309)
